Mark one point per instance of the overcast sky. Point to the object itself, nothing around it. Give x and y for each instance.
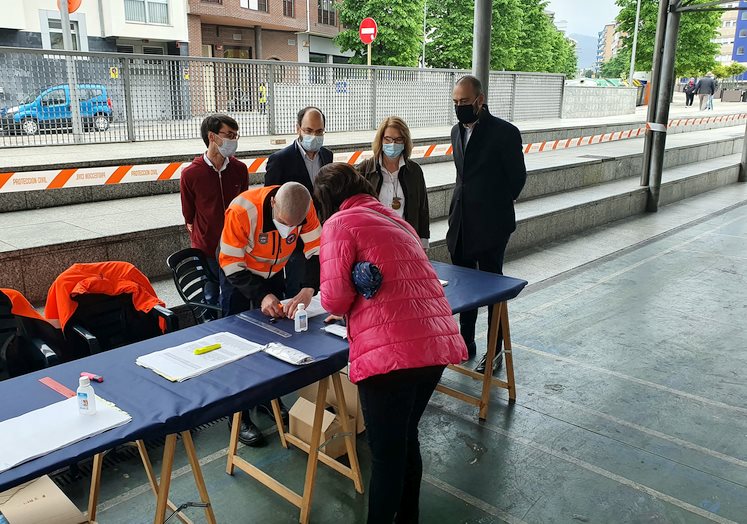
(585, 17)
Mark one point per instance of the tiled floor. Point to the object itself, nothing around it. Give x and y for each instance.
(631, 398)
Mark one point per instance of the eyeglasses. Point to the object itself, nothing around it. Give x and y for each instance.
(230, 136)
(315, 132)
(392, 140)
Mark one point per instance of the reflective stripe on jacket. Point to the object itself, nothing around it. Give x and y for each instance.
(251, 242)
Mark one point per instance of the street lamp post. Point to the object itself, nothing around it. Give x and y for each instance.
(635, 43)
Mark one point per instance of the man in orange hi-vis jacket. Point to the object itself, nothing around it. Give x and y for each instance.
(260, 233)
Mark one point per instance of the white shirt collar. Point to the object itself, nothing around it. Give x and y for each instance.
(305, 153)
(401, 163)
(208, 162)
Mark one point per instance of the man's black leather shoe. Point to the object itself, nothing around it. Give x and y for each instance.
(497, 363)
(249, 434)
(266, 408)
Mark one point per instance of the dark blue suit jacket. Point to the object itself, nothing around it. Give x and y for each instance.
(287, 165)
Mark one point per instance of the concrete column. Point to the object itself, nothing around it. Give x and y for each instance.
(258, 42)
(481, 42)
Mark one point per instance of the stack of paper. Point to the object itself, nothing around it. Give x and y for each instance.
(315, 307)
(180, 363)
(54, 427)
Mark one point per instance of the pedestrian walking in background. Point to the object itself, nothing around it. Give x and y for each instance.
(705, 88)
(689, 92)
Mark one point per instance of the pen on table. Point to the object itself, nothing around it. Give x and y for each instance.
(207, 349)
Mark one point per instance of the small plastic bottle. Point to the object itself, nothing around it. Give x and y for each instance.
(301, 319)
(86, 397)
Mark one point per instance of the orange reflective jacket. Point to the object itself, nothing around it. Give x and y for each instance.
(250, 240)
(19, 305)
(105, 278)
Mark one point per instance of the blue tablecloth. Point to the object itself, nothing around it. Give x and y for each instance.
(159, 407)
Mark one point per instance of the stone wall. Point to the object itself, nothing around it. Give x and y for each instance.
(594, 102)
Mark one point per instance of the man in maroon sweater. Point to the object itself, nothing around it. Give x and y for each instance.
(208, 185)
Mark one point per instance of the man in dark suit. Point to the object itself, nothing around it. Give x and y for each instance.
(490, 175)
(300, 162)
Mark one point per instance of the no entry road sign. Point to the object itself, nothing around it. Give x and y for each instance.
(368, 30)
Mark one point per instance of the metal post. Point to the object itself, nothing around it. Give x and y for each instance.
(635, 43)
(369, 55)
(372, 74)
(512, 116)
(743, 165)
(72, 76)
(271, 100)
(661, 29)
(258, 42)
(481, 43)
(127, 84)
(425, 17)
(662, 110)
(452, 82)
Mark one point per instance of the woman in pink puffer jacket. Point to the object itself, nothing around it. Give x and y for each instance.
(400, 340)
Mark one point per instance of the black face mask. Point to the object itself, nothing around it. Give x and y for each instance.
(466, 113)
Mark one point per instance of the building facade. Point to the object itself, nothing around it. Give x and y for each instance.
(287, 30)
(608, 43)
(134, 26)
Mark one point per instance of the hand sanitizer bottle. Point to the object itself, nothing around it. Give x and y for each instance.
(301, 318)
(86, 397)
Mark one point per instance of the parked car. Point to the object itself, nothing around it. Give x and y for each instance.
(51, 110)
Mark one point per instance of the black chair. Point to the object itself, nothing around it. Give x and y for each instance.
(191, 274)
(26, 344)
(104, 322)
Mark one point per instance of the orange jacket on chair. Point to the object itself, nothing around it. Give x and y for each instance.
(19, 305)
(105, 278)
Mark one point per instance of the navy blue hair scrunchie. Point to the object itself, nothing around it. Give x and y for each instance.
(366, 279)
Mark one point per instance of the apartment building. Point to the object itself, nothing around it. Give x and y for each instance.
(134, 26)
(289, 30)
(608, 43)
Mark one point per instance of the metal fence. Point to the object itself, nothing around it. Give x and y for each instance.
(125, 97)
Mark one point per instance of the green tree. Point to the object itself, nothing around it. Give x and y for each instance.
(695, 51)
(450, 24)
(617, 67)
(400, 38)
(523, 38)
(735, 69)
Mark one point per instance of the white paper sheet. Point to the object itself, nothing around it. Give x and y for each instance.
(444, 282)
(315, 307)
(54, 427)
(179, 363)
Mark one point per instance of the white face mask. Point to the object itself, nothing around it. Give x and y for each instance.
(283, 229)
(228, 148)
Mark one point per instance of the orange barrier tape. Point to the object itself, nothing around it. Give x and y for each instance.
(111, 175)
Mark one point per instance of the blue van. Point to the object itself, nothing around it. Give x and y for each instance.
(51, 110)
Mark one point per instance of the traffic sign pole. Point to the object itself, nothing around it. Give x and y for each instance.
(72, 76)
(369, 54)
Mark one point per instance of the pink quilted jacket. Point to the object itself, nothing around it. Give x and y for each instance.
(408, 323)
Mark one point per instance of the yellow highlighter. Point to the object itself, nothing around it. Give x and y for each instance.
(207, 349)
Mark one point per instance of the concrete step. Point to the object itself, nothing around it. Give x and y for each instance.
(36, 246)
(553, 217)
(549, 172)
